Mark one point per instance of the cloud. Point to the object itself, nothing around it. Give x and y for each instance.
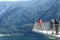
(8, 0)
(14, 0)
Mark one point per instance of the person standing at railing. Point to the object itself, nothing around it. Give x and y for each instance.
(40, 22)
(56, 26)
(52, 25)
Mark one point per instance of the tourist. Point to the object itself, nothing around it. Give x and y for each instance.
(40, 22)
(52, 25)
(56, 26)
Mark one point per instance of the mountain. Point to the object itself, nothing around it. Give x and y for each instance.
(19, 17)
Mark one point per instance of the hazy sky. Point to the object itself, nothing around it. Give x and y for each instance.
(13, 0)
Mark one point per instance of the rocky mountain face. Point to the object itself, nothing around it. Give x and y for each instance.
(19, 17)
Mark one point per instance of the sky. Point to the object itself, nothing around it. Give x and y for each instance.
(13, 0)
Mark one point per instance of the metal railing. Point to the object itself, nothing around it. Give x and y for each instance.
(45, 27)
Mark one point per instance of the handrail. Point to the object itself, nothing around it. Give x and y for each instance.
(45, 26)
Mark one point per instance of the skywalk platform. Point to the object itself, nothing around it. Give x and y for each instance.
(46, 30)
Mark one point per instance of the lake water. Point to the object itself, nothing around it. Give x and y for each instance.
(32, 36)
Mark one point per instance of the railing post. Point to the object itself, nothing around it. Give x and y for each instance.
(47, 28)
